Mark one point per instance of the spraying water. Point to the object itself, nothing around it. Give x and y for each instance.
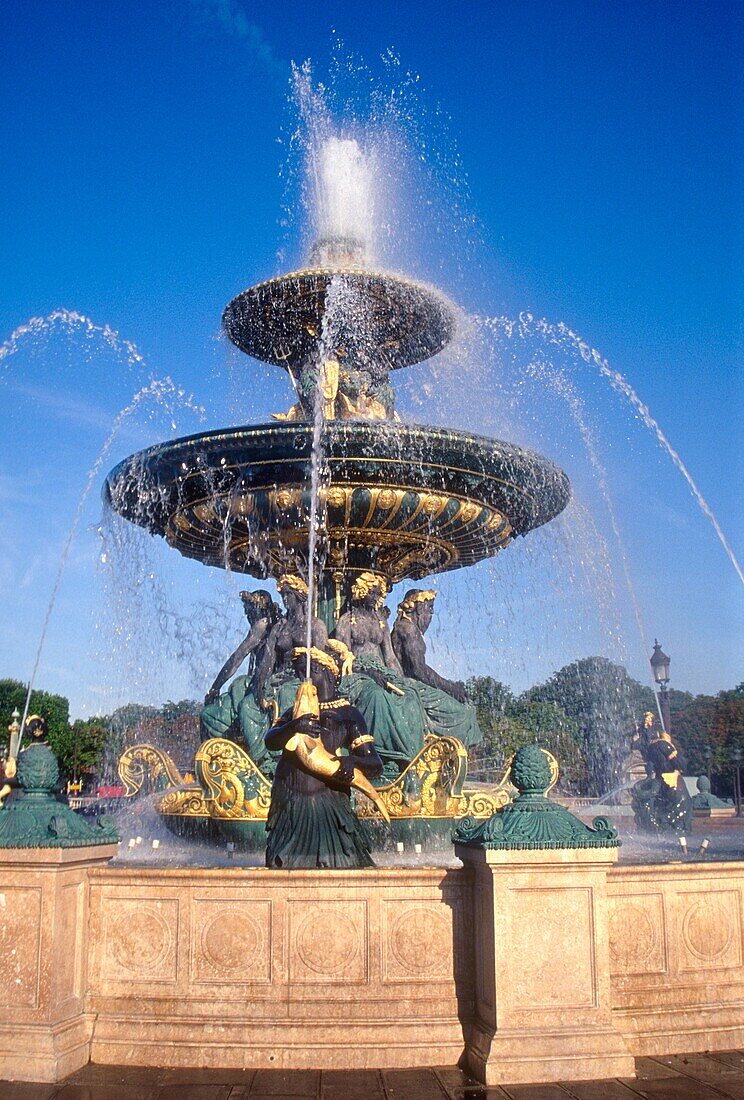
(158, 390)
(71, 322)
(561, 334)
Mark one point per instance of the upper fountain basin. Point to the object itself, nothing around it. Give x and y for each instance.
(381, 318)
(404, 500)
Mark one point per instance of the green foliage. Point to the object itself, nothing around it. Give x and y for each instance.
(509, 723)
(54, 708)
(715, 722)
(606, 703)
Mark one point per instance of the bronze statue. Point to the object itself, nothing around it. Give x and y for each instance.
(376, 685)
(364, 627)
(274, 677)
(238, 714)
(444, 701)
(661, 802)
(311, 822)
(262, 614)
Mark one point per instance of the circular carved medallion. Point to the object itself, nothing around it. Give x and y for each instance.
(707, 930)
(139, 939)
(230, 941)
(327, 950)
(421, 940)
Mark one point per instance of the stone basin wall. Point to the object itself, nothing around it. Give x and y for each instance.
(249, 967)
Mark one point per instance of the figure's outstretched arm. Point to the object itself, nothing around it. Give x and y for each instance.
(266, 664)
(388, 653)
(412, 651)
(251, 641)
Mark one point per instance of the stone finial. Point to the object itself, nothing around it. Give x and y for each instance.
(532, 820)
(34, 818)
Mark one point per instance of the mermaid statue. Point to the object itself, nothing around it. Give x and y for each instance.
(237, 714)
(444, 701)
(244, 712)
(325, 750)
(376, 685)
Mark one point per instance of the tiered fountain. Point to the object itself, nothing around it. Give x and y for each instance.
(398, 500)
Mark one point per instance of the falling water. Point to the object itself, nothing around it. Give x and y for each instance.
(72, 322)
(561, 334)
(160, 390)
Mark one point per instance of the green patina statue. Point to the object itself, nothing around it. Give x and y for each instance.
(706, 800)
(33, 816)
(532, 820)
(661, 802)
(326, 750)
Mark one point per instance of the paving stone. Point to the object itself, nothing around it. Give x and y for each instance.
(697, 1065)
(101, 1091)
(599, 1090)
(26, 1090)
(194, 1091)
(535, 1092)
(675, 1088)
(649, 1069)
(732, 1087)
(290, 1082)
(341, 1084)
(459, 1086)
(176, 1075)
(734, 1058)
(412, 1084)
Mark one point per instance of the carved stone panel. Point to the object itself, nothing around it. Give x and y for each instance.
(551, 942)
(711, 933)
(230, 941)
(140, 939)
(637, 930)
(328, 941)
(20, 941)
(417, 941)
(71, 932)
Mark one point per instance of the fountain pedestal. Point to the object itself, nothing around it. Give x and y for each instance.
(542, 985)
(45, 1028)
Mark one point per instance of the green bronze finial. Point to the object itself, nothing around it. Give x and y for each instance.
(532, 820)
(33, 817)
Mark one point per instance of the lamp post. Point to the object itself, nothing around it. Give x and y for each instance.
(736, 757)
(708, 752)
(660, 668)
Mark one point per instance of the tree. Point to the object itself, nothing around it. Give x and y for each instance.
(508, 724)
(606, 703)
(54, 708)
(714, 722)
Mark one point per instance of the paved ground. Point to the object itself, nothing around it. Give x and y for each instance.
(678, 1077)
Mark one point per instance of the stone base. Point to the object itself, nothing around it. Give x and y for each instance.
(541, 966)
(276, 969)
(45, 1030)
(559, 1054)
(542, 1008)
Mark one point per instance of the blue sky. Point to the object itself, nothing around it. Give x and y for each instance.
(581, 161)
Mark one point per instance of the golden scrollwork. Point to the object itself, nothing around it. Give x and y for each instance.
(145, 766)
(184, 802)
(432, 786)
(236, 788)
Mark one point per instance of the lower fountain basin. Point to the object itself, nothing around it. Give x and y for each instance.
(406, 501)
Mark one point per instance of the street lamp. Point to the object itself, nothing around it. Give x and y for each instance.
(708, 752)
(736, 757)
(660, 668)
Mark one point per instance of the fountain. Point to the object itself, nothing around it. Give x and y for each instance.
(535, 958)
(337, 489)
